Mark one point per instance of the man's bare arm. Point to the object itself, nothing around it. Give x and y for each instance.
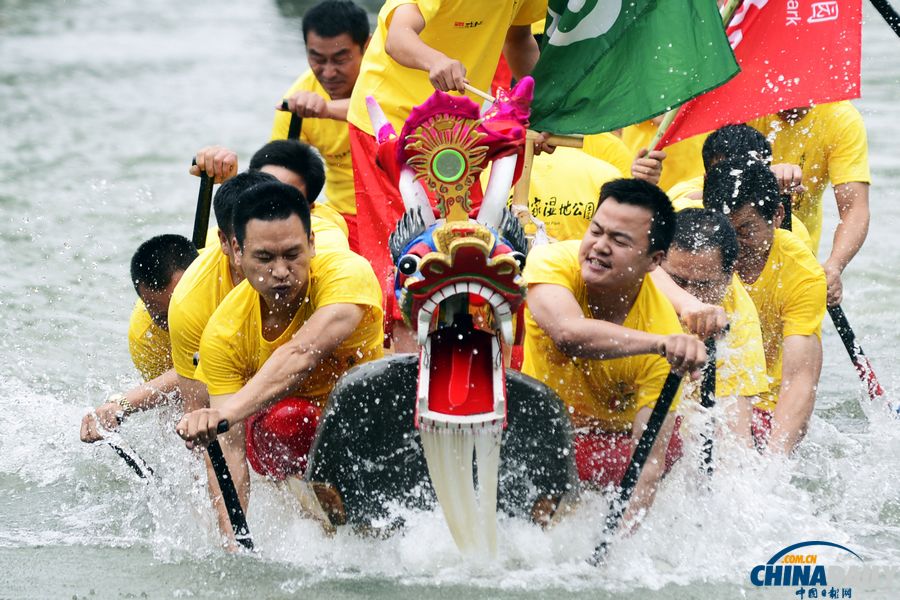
(559, 315)
(404, 45)
(521, 50)
(150, 394)
(282, 374)
(853, 208)
(704, 320)
(800, 369)
(651, 474)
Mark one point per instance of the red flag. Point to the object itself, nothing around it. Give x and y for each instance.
(792, 53)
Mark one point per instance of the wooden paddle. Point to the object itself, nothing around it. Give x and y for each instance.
(708, 400)
(220, 467)
(633, 472)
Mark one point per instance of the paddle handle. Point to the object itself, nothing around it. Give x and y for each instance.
(296, 124)
(229, 494)
(638, 459)
(888, 13)
(857, 356)
(201, 215)
(708, 400)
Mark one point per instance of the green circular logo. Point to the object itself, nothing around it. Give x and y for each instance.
(449, 165)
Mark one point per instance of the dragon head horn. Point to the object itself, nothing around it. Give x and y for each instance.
(383, 128)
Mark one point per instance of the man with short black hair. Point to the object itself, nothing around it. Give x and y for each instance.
(298, 164)
(156, 268)
(701, 260)
(278, 343)
(787, 286)
(602, 335)
(336, 33)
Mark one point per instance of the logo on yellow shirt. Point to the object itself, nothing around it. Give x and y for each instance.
(467, 24)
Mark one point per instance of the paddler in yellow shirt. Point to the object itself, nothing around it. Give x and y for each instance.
(336, 33)
(204, 285)
(682, 159)
(701, 260)
(156, 268)
(603, 337)
(740, 141)
(828, 142)
(298, 322)
(787, 285)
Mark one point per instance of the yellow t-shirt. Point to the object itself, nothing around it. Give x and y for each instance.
(148, 344)
(564, 191)
(233, 350)
(683, 159)
(328, 235)
(829, 144)
(470, 32)
(331, 138)
(603, 393)
(740, 358)
(202, 287)
(789, 295)
(609, 147)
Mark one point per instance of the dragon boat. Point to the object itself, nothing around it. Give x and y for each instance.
(419, 430)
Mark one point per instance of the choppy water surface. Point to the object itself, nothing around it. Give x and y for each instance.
(103, 104)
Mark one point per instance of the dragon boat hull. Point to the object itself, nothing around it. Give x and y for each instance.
(369, 454)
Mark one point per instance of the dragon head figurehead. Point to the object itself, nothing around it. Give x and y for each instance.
(459, 253)
(457, 249)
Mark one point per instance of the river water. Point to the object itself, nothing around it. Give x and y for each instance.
(103, 105)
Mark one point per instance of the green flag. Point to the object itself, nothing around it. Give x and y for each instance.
(606, 64)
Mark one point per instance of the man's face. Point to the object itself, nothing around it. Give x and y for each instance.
(275, 259)
(792, 115)
(699, 273)
(157, 301)
(754, 233)
(615, 249)
(288, 177)
(335, 62)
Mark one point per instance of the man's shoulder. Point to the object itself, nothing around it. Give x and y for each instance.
(198, 276)
(233, 312)
(795, 256)
(554, 263)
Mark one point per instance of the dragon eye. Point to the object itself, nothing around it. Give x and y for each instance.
(408, 264)
(449, 165)
(519, 258)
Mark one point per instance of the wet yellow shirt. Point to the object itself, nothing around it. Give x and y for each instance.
(564, 191)
(470, 32)
(328, 235)
(604, 393)
(829, 143)
(740, 358)
(609, 147)
(148, 344)
(683, 159)
(202, 287)
(331, 138)
(233, 349)
(789, 295)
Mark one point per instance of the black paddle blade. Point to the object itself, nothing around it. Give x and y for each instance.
(368, 449)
